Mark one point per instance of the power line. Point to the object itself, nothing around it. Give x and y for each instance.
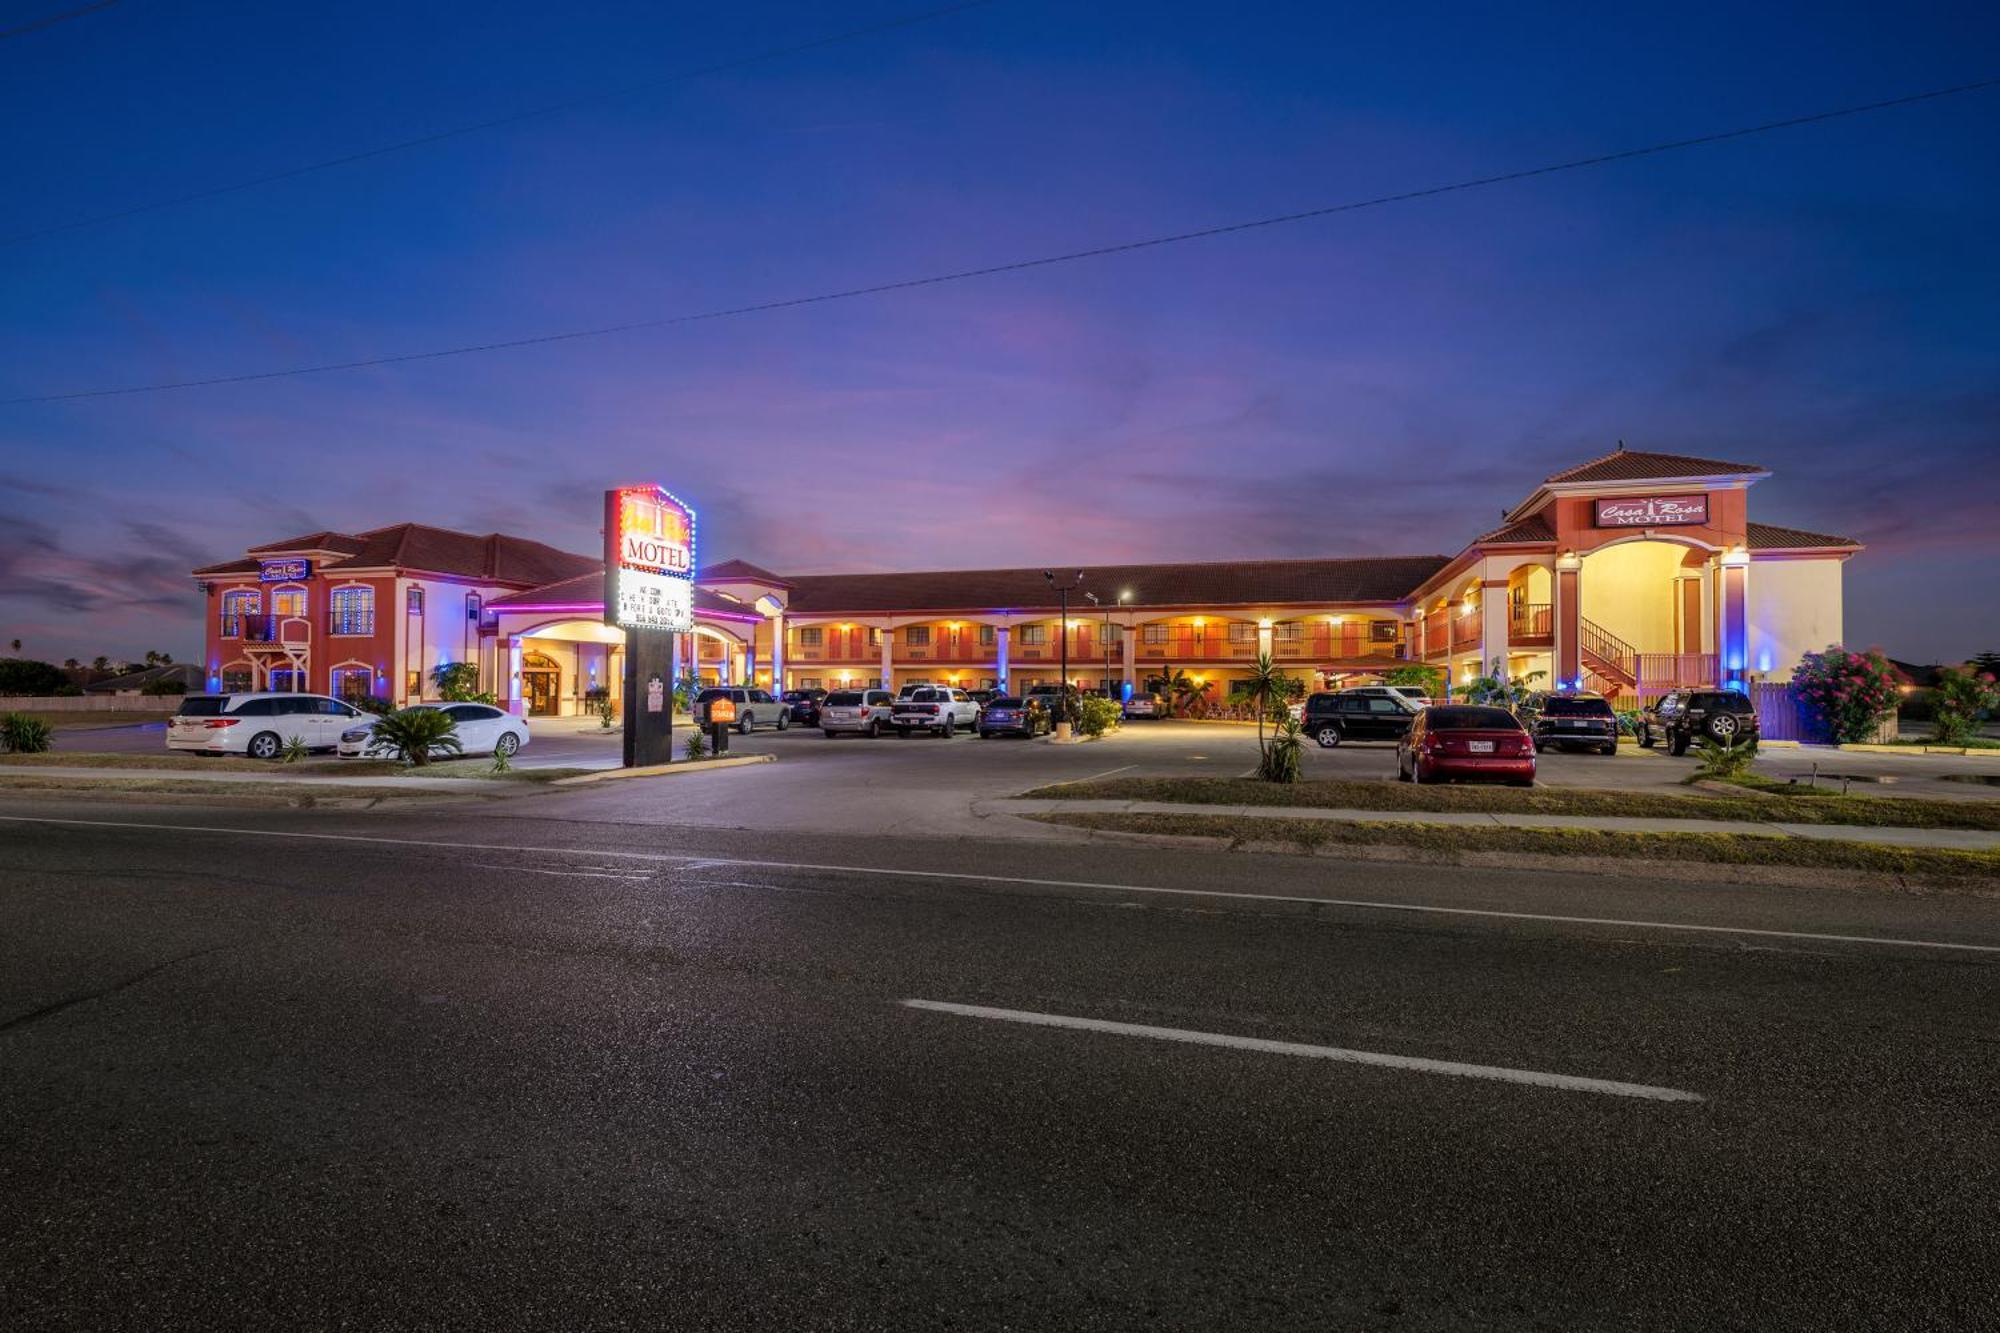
(1044, 261)
(50, 21)
(496, 122)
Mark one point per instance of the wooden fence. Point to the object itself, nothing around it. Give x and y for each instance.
(1783, 716)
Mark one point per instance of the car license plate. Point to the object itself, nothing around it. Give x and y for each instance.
(1480, 747)
(1572, 725)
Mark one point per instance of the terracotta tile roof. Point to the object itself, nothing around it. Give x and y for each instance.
(1639, 465)
(1534, 528)
(495, 556)
(314, 541)
(739, 571)
(588, 590)
(229, 567)
(1771, 537)
(1223, 583)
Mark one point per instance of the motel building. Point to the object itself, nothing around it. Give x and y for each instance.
(1631, 574)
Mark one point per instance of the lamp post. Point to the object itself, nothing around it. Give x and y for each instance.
(1062, 633)
(1094, 601)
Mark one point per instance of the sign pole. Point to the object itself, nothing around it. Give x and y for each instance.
(649, 697)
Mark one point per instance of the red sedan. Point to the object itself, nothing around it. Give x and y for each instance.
(1464, 741)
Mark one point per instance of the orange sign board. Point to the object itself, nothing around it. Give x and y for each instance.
(722, 710)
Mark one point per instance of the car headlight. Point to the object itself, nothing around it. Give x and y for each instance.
(358, 734)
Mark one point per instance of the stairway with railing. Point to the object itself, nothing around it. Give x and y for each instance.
(1607, 656)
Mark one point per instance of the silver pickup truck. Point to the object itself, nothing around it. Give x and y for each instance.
(938, 709)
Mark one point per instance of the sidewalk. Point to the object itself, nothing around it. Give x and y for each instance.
(1965, 840)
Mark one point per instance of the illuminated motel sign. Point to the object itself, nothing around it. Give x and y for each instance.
(649, 560)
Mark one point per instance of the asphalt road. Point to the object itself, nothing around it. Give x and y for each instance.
(566, 1072)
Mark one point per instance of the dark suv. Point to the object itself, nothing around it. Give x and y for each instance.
(1577, 719)
(1685, 716)
(805, 705)
(1350, 715)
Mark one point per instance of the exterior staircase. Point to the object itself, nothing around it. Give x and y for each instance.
(1613, 662)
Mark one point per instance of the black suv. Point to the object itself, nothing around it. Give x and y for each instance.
(805, 705)
(1685, 716)
(1577, 719)
(1352, 716)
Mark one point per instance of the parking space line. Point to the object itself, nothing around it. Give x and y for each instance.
(1416, 1064)
(692, 860)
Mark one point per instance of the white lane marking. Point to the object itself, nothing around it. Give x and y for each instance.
(1496, 1073)
(690, 860)
(1071, 782)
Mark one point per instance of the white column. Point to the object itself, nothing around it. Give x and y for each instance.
(512, 667)
(777, 652)
(1264, 633)
(1127, 657)
(1495, 621)
(1000, 641)
(888, 632)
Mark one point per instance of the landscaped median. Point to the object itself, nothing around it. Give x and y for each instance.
(309, 782)
(1902, 841)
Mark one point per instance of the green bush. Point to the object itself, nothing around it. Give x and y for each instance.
(22, 734)
(695, 747)
(599, 698)
(458, 683)
(295, 750)
(415, 733)
(1628, 721)
(1847, 693)
(1964, 696)
(373, 704)
(1097, 716)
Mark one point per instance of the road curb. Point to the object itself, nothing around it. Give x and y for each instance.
(665, 770)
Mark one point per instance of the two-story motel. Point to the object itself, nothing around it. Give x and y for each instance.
(1631, 574)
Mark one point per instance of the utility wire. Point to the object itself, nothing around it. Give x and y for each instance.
(1044, 261)
(475, 127)
(36, 25)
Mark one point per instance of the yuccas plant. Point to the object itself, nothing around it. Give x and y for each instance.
(418, 735)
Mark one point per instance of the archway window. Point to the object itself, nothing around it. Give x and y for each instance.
(351, 611)
(235, 605)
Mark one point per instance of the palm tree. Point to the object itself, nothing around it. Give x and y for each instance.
(1265, 690)
(100, 663)
(71, 664)
(416, 734)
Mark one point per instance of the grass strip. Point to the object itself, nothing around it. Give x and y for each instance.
(273, 791)
(203, 763)
(1781, 802)
(1449, 842)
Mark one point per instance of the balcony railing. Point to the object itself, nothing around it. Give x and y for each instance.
(1465, 632)
(1196, 648)
(1530, 620)
(276, 629)
(1328, 641)
(1437, 633)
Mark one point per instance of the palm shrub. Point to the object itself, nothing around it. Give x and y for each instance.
(1723, 759)
(696, 745)
(22, 734)
(1280, 762)
(414, 734)
(295, 750)
(1496, 687)
(599, 698)
(1964, 695)
(1847, 693)
(1265, 691)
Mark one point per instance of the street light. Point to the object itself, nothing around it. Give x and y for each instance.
(1062, 632)
(1123, 597)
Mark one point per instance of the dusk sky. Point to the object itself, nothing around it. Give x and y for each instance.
(1821, 300)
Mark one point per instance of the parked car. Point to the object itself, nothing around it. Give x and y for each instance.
(1052, 699)
(1577, 719)
(481, 728)
(754, 708)
(864, 712)
(1145, 705)
(1006, 715)
(1685, 716)
(258, 724)
(938, 709)
(1409, 694)
(1352, 715)
(1453, 741)
(804, 705)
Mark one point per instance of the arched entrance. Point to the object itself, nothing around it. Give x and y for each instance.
(541, 684)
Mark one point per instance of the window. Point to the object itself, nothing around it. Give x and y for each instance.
(413, 684)
(917, 636)
(1153, 634)
(236, 680)
(874, 637)
(761, 697)
(351, 611)
(809, 683)
(985, 636)
(353, 682)
(1381, 631)
(415, 601)
(473, 605)
(288, 602)
(1377, 704)
(258, 708)
(237, 604)
(1242, 632)
(1291, 631)
(285, 680)
(809, 637)
(334, 708)
(1034, 634)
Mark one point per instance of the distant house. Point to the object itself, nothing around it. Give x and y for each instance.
(1916, 676)
(135, 682)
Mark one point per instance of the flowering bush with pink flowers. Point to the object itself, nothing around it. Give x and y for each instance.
(1849, 693)
(1964, 695)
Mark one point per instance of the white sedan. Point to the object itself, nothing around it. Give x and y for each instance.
(482, 729)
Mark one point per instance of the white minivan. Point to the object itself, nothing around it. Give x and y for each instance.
(258, 725)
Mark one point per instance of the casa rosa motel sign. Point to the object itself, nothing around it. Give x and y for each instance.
(649, 560)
